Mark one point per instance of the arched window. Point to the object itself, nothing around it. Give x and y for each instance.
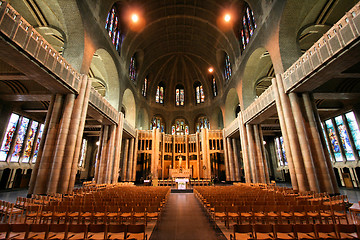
(160, 91)
(144, 87)
(227, 68)
(180, 127)
(179, 95)
(132, 68)
(246, 27)
(199, 92)
(113, 26)
(202, 122)
(157, 122)
(214, 86)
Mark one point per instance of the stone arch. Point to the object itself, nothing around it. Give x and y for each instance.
(142, 119)
(128, 101)
(232, 101)
(257, 67)
(103, 69)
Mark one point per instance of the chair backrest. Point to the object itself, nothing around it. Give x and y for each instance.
(242, 228)
(346, 228)
(5, 228)
(136, 228)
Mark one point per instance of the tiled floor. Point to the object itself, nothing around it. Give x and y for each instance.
(184, 218)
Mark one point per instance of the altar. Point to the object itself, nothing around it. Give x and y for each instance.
(181, 183)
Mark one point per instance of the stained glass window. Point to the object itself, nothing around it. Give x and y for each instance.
(112, 25)
(199, 92)
(157, 122)
(279, 152)
(246, 27)
(214, 85)
(344, 137)
(202, 122)
(283, 150)
(132, 68)
(30, 141)
(144, 87)
(38, 143)
(20, 140)
(354, 129)
(83, 152)
(10, 131)
(180, 127)
(157, 95)
(333, 140)
(161, 98)
(179, 95)
(227, 68)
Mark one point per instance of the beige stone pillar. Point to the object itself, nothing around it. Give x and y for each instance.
(125, 160)
(259, 156)
(252, 153)
(244, 149)
(35, 170)
(265, 162)
(80, 133)
(110, 154)
(236, 160)
(292, 136)
(208, 153)
(72, 137)
(304, 143)
(131, 160)
(48, 150)
(103, 157)
(198, 154)
(323, 174)
(187, 151)
(98, 155)
(61, 142)
(118, 142)
(231, 159)
(226, 158)
(133, 175)
(162, 156)
(284, 133)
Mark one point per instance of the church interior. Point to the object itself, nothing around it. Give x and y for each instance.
(234, 106)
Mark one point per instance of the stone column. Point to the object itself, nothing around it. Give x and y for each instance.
(236, 160)
(35, 170)
(42, 178)
(61, 142)
(72, 137)
(304, 142)
(198, 154)
(98, 155)
(133, 175)
(293, 139)
(252, 153)
(226, 158)
(323, 174)
(231, 159)
(80, 133)
(5, 115)
(208, 153)
(187, 151)
(244, 149)
(103, 157)
(110, 158)
(265, 162)
(118, 141)
(259, 156)
(125, 160)
(284, 132)
(131, 160)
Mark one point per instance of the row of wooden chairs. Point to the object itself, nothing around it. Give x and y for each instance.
(295, 231)
(107, 214)
(8, 211)
(72, 231)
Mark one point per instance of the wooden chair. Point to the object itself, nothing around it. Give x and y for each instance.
(136, 232)
(38, 231)
(263, 231)
(19, 231)
(139, 213)
(57, 231)
(284, 231)
(299, 214)
(112, 214)
(245, 213)
(116, 231)
(347, 231)
(125, 214)
(9, 211)
(339, 212)
(4, 230)
(46, 214)
(304, 231)
(325, 213)
(76, 231)
(220, 214)
(259, 213)
(312, 214)
(233, 214)
(32, 213)
(285, 212)
(97, 231)
(325, 231)
(152, 213)
(242, 231)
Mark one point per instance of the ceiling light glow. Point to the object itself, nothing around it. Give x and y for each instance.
(211, 69)
(227, 18)
(135, 18)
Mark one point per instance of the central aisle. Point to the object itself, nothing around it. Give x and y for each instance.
(184, 218)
